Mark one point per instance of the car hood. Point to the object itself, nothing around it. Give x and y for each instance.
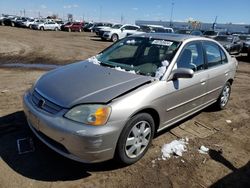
(85, 82)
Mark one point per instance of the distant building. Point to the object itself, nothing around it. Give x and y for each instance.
(242, 28)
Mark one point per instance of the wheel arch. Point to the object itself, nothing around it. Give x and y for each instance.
(151, 111)
(230, 81)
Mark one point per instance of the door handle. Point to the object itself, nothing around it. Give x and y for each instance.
(226, 73)
(203, 81)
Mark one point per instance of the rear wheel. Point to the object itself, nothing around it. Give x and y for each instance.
(224, 97)
(135, 139)
(56, 29)
(42, 28)
(114, 37)
(69, 30)
(80, 30)
(13, 24)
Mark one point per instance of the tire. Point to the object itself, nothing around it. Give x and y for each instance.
(13, 24)
(114, 38)
(56, 29)
(80, 30)
(30, 26)
(42, 28)
(135, 139)
(69, 30)
(224, 97)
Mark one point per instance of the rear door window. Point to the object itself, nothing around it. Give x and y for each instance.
(214, 54)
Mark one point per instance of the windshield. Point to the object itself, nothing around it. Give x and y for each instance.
(141, 55)
(117, 26)
(224, 38)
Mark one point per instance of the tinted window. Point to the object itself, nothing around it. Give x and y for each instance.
(213, 53)
(191, 57)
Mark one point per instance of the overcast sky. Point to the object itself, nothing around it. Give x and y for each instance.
(131, 10)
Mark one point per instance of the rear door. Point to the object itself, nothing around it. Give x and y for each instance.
(217, 69)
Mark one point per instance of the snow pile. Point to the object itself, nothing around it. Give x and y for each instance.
(94, 60)
(203, 150)
(176, 147)
(123, 70)
(161, 70)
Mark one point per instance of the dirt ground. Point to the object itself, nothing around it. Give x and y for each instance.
(226, 165)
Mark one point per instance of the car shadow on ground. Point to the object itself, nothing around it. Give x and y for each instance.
(100, 40)
(238, 178)
(43, 164)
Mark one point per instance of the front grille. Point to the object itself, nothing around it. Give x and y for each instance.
(45, 104)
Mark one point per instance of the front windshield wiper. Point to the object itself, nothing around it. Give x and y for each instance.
(107, 65)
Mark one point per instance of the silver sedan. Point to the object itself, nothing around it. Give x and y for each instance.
(111, 105)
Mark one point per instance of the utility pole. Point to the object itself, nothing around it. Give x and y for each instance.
(122, 18)
(171, 15)
(214, 24)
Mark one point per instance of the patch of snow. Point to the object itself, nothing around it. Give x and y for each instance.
(94, 60)
(228, 121)
(161, 70)
(203, 150)
(4, 91)
(176, 147)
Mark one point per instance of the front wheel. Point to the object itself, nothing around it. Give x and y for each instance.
(114, 38)
(135, 138)
(224, 97)
(42, 28)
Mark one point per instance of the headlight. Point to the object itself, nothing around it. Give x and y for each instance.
(107, 32)
(90, 114)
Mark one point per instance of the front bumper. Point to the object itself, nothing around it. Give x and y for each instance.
(73, 140)
(106, 36)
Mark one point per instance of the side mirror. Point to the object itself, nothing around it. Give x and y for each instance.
(122, 29)
(181, 73)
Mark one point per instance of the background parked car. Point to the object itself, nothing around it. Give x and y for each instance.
(88, 27)
(213, 34)
(246, 43)
(72, 26)
(231, 43)
(103, 25)
(103, 30)
(46, 26)
(114, 34)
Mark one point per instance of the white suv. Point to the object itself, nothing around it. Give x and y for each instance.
(119, 32)
(48, 26)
